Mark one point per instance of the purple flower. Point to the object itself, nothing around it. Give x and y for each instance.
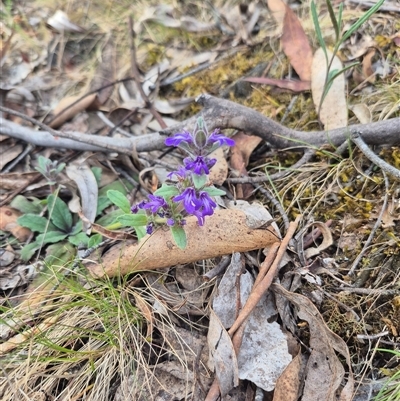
(170, 222)
(199, 142)
(207, 204)
(181, 173)
(216, 137)
(135, 208)
(149, 228)
(175, 140)
(156, 203)
(201, 165)
(189, 199)
(206, 209)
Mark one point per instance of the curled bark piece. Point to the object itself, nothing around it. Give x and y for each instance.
(223, 233)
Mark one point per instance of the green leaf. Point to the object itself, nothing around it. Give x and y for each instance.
(25, 206)
(199, 180)
(119, 200)
(79, 239)
(50, 237)
(318, 29)
(102, 203)
(97, 171)
(59, 213)
(140, 232)
(360, 21)
(119, 186)
(95, 240)
(212, 191)
(339, 19)
(33, 222)
(59, 254)
(28, 250)
(77, 228)
(132, 220)
(109, 218)
(332, 76)
(167, 191)
(179, 236)
(333, 19)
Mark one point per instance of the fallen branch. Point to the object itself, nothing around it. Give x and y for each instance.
(218, 113)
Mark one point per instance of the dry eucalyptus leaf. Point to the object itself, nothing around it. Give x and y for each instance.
(296, 46)
(222, 355)
(324, 371)
(87, 184)
(289, 382)
(263, 354)
(219, 172)
(225, 232)
(8, 222)
(333, 113)
(362, 112)
(61, 23)
(72, 111)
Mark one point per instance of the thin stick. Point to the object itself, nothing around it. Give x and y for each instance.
(374, 228)
(263, 286)
(369, 154)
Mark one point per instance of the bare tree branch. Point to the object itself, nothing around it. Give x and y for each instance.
(222, 113)
(218, 113)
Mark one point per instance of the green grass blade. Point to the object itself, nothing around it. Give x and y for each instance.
(361, 20)
(333, 19)
(340, 16)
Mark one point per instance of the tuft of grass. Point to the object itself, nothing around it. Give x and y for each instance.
(391, 389)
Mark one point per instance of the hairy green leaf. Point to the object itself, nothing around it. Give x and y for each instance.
(179, 236)
(167, 191)
(26, 206)
(119, 200)
(34, 222)
(212, 191)
(59, 213)
(132, 220)
(199, 180)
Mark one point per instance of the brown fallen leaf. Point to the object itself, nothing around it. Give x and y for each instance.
(240, 155)
(324, 371)
(62, 116)
(294, 86)
(277, 8)
(8, 222)
(296, 46)
(288, 384)
(219, 172)
(225, 232)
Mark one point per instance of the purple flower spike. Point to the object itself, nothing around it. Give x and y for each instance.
(181, 173)
(175, 140)
(156, 203)
(216, 137)
(207, 204)
(189, 199)
(201, 165)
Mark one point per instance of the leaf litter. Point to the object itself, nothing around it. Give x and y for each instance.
(161, 319)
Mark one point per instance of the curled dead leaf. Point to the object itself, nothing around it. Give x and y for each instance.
(8, 222)
(225, 232)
